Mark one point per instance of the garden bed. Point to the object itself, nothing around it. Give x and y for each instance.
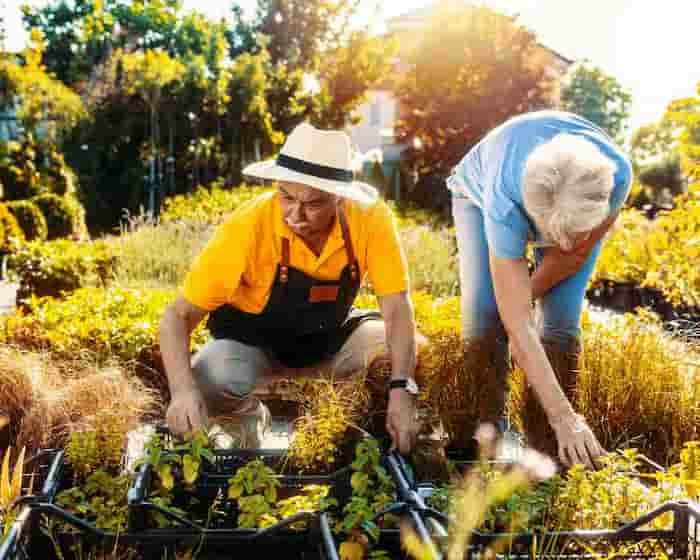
(626, 297)
(155, 531)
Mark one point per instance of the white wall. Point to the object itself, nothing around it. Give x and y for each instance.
(378, 116)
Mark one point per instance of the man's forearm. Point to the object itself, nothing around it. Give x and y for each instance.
(174, 346)
(401, 340)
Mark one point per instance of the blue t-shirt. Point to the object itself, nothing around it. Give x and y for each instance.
(491, 173)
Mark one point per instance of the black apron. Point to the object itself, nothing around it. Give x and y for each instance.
(305, 320)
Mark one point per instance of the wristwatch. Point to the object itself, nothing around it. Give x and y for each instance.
(406, 383)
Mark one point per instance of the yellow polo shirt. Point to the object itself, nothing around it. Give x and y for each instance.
(239, 264)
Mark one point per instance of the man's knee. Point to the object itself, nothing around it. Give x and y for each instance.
(225, 366)
(366, 346)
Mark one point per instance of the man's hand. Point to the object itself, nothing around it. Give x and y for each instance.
(577, 443)
(187, 411)
(401, 420)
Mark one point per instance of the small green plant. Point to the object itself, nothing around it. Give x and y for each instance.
(101, 500)
(181, 462)
(254, 488)
(100, 447)
(373, 491)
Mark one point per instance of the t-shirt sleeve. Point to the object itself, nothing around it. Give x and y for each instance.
(623, 184)
(386, 262)
(217, 271)
(506, 234)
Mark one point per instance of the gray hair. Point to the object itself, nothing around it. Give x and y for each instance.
(567, 184)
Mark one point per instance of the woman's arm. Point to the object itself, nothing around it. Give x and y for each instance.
(513, 289)
(558, 265)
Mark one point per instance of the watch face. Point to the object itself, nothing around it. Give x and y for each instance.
(411, 386)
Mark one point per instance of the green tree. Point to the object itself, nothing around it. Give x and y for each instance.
(656, 159)
(472, 70)
(685, 113)
(346, 73)
(299, 31)
(248, 112)
(43, 98)
(146, 74)
(593, 94)
(60, 24)
(80, 34)
(653, 141)
(311, 42)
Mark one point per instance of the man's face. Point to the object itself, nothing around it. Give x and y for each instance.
(307, 211)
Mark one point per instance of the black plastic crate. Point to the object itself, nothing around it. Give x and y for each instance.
(213, 480)
(631, 541)
(84, 540)
(40, 483)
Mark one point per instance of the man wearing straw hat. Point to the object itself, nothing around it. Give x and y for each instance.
(278, 281)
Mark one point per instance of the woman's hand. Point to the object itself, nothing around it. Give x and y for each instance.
(577, 442)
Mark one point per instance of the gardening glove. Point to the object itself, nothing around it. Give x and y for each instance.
(576, 441)
(187, 411)
(401, 421)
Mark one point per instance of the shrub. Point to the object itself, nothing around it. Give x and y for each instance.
(432, 259)
(151, 255)
(637, 385)
(11, 232)
(674, 243)
(59, 213)
(210, 206)
(625, 256)
(111, 323)
(19, 173)
(29, 218)
(33, 167)
(56, 267)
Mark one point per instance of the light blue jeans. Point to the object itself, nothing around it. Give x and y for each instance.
(558, 312)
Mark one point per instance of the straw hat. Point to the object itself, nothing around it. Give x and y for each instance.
(321, 159)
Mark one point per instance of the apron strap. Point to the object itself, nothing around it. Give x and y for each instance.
(284, 263)
(348, 242)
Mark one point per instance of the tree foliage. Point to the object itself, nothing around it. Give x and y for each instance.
(42, 97)
(299, 31)
(163, 88)
(593, 94)
(80, 34)
(656, 158)
(346, 73)
(686, 114)
(472, 70)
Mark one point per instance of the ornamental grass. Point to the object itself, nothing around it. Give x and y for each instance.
(47, 399)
